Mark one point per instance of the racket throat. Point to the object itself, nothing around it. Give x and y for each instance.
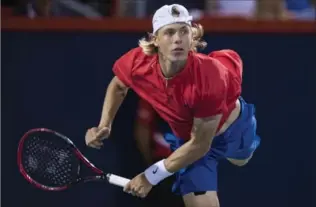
(94, 178)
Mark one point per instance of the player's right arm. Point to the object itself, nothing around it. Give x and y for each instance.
(115, 94)
(114, 97)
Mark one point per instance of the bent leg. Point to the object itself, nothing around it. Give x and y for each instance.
(242, 156)
(245, 148)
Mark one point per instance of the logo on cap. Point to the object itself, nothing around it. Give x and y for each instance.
(175, 12)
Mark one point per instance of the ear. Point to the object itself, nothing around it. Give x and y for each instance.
(155, 39)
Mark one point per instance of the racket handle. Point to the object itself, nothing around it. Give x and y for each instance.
(117, 180)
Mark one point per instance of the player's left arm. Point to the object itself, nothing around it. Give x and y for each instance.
(203, 131)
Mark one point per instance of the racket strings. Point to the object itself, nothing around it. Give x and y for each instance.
(50, 163)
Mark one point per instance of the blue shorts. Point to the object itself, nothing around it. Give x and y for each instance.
(239, 141)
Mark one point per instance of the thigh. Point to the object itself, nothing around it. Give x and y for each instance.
(199, 177)
(209, 199)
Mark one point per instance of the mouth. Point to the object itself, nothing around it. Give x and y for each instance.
(178, 49)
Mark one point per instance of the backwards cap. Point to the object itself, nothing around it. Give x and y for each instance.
(170, 14)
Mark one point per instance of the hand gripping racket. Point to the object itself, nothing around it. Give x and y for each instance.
(50, 161)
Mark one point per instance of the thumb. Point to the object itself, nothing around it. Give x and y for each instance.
(103, 133)
(127, 187)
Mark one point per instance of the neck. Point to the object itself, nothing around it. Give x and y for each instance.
(170, 68)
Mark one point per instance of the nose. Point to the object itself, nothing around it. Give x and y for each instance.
(177, 38)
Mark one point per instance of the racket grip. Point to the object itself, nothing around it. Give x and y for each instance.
(117, 180)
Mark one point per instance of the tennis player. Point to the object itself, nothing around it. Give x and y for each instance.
(198, 95)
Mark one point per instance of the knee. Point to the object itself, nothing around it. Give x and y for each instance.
(239, 163)
(212, 202)
(209, 199)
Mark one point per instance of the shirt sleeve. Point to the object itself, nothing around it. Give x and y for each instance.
(231, 60)
(123, 67)
(212, 91)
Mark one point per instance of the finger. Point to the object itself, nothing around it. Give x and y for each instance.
(93, 146)
(127, 187)
(141, 193)
(132, 193)
(93, 131)
(90, 136)
(96, 144)
(103, 133)
(138, 192)
(136, 189)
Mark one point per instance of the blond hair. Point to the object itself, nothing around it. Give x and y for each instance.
(149, 48)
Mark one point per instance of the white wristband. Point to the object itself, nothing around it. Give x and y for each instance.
(157, 172)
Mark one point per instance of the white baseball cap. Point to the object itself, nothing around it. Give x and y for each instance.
(169, 14)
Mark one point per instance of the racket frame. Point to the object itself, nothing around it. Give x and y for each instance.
(101, 176)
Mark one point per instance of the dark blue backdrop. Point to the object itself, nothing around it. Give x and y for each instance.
(58, 80)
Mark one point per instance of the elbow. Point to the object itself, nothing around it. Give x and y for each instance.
(205, 148)
(119, 84)
(118, 89)
(202, 148)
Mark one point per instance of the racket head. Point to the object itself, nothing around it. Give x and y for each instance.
(50, 161)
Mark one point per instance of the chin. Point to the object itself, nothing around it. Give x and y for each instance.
(178, 58)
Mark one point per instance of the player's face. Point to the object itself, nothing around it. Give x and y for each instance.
(174, 41)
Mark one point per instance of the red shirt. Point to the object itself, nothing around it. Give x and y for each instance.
(208, 85)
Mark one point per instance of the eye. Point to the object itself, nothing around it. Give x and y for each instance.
(169, 32)
(184, 31)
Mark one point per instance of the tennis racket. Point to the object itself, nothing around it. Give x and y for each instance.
(51, 161)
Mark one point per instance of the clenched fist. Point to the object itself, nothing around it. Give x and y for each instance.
(95, 135)
(139, 186)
